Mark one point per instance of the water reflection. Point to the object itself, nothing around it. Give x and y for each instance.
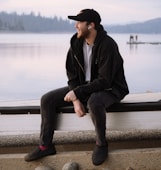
(133, 47)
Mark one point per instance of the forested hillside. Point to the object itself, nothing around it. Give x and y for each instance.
(12, 22)
(150, 26)
(33, 23)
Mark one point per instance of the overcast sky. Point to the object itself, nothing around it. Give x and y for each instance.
(111, 11)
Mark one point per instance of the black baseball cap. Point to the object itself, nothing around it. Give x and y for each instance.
(89, 15)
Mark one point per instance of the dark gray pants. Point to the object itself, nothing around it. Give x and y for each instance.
(97, 104)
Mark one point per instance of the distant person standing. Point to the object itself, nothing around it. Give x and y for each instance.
(96, 80)
(136, 38)
(131, 39)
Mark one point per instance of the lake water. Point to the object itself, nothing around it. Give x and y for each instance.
(32, 64)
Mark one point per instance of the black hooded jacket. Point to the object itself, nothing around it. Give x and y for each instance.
(107, 72)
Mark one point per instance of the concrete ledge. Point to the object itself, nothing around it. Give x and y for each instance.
(138, 159)
(137, 138)
(79, 137)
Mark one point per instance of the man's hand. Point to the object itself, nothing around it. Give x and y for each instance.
(79, 108)
(70, 96)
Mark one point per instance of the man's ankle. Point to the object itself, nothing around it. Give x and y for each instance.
(43, 148)
(101, 143)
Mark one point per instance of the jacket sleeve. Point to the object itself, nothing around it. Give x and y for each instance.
(73, 79)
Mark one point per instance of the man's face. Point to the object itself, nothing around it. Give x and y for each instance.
(82, 29)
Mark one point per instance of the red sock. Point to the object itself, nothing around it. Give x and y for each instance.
(97, 143)
(42, 147)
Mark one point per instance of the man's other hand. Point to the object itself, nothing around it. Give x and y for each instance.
(79, 108)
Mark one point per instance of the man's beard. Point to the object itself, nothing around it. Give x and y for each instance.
(84, 34)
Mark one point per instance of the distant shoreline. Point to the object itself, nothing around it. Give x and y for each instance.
(37, 24)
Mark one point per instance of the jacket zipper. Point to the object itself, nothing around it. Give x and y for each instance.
(79, 64)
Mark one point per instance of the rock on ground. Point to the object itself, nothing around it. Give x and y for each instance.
(43, 168)
(71, 166)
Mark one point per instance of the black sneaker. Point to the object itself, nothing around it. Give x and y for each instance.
(100, 154)
(38, 153)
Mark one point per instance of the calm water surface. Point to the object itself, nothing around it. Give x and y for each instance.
(32, 64)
